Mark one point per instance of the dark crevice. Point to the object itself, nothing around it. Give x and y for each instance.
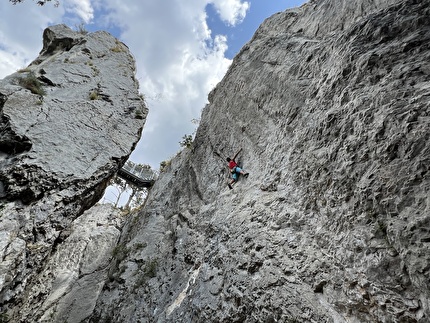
(45, 80)
(10, 142)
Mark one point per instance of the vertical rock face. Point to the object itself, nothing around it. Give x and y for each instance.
(330, 105)
(68, 122)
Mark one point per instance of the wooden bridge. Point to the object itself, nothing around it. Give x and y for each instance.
(137, 175)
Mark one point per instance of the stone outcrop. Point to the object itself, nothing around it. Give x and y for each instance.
(330, 105)
(69, 121)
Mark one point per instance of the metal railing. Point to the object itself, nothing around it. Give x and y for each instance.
(139, 171)
(136, 174)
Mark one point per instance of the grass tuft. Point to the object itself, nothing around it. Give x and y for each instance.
(30, 82)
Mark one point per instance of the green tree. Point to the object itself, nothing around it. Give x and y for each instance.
(187, 141)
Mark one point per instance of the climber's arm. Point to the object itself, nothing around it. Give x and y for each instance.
(234, 158)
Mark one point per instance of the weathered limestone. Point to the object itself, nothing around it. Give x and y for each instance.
(330, 103)
(68, 121)
(80, 266)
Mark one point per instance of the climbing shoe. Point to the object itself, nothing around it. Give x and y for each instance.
(229, 186)
(246, 175)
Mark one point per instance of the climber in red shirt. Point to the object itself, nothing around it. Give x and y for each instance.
(235, 170)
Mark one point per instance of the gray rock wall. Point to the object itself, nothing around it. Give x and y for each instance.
(330, 105)
(69, 121)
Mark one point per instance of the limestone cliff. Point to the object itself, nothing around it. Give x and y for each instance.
(330, 105)
(68, 122)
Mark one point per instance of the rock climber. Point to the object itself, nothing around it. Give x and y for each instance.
(235, 170)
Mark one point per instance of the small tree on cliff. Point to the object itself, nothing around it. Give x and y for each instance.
(187, 141)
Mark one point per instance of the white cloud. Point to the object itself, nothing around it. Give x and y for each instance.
(9, 63)
(178, 64)
(231, 11)
(82, 8)
(21, 36)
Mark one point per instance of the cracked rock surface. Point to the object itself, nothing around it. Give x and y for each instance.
(68, 122)
(330, 105)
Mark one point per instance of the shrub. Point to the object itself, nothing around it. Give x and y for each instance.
(95, 70)
(81, 29)
(187, 141)
(138, 114)
(30, 82)
(164, 164)
(120, 252)
(151, 268)
(24, 70)
(140, 245)
(149, 271)
(118, 47)
(94, 95)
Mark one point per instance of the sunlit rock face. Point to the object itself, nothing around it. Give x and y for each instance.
(330, 105)
(68, 122)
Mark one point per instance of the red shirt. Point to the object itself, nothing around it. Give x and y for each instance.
(232, 164)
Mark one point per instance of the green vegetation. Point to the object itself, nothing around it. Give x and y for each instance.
(81, 29)
(138, 114)
(24, 70)
(149, 271)
(96, 71)
(187, 141)
(140, 245)
(30, 82)
(120, 252)
(118, 47)
(94, 95)
(164, 164)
